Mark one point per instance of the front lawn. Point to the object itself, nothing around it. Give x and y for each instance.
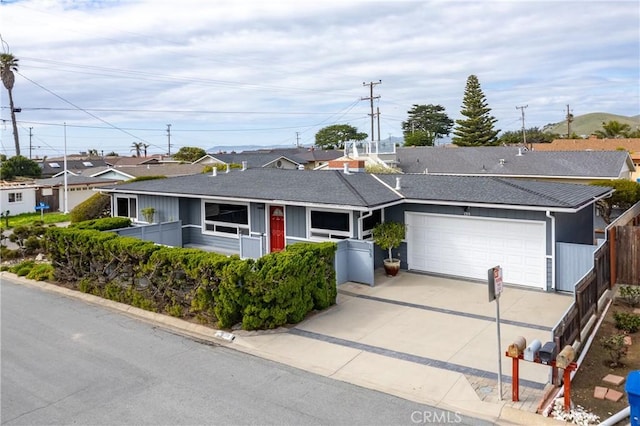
(30, 218)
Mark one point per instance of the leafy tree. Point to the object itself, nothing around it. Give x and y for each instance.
(626, 194)
(9, 64)
(19, 166)
(425, 124)
(534, 135)
(189, 153)
(335, 136)
(478, 127)
(613, 129)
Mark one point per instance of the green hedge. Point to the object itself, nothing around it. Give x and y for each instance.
(277, 289)
(103, 224)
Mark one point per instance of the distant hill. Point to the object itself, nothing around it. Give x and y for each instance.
(584, 125)
(241, 148)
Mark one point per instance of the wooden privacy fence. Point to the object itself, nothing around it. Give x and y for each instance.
(588, 291)
(628, 254)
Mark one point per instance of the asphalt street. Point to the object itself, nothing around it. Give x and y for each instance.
(65, 361)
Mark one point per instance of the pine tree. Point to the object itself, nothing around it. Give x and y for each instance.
(477, 129)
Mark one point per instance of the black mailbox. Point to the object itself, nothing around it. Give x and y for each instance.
(547, 353)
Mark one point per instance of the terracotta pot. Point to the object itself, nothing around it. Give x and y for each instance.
(391, 266)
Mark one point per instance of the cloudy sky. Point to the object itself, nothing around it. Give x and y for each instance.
(104, 74)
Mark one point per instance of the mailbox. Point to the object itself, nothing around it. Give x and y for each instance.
(547, 353)
(516, 348)
(531, 351)
(565, 357)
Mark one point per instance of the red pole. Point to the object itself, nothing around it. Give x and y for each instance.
(515, 379)
(567, 389)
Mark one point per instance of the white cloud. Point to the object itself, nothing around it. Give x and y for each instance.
(249, 65)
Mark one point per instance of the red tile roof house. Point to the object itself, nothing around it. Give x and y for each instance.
(456, 225)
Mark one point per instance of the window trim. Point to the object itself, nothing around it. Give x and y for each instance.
(133, 217)
(239, 227)
(328, 234)
(367, 234)
(17, 197)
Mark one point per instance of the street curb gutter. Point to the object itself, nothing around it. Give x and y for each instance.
(507, 415)
(176, 324)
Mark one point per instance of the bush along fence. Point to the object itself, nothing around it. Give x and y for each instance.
(278, 289)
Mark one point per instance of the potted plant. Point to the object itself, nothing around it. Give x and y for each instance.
(148, 213)
(388, 236)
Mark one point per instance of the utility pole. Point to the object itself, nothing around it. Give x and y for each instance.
(169, 139)
(371, 98)
(30, 135)
(297, 139)
(378, 117)
(569, 120)
(524, 133)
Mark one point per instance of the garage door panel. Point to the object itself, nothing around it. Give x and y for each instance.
(468, 246)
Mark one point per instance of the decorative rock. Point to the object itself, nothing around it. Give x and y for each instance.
(599, 392)
(613, 379)
(613, 395)
(627, 340)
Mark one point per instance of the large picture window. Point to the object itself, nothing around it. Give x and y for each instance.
(226, 218)
(330, 224)
(127, 207)
(15, 197)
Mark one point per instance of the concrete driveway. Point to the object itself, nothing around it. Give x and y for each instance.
(426, 338)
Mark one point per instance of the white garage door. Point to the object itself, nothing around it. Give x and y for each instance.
(468, 246)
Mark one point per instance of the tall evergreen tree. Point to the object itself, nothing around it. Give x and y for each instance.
(477, 128)
(425, 124)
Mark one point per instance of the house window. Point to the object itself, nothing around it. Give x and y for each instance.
(15, 197)
(369, 222)
(127, 207)
(226, 219)
(330, 224)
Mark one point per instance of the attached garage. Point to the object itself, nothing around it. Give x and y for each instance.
(467, 246)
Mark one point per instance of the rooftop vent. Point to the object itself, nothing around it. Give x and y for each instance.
(244, 165)
(397, 188)
(228, 168)
(345, 168)
(519, 152)
(502, 161)
(214, 171)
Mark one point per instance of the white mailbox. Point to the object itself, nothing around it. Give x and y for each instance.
(531, 351)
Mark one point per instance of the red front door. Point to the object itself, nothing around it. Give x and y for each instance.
(276, 227)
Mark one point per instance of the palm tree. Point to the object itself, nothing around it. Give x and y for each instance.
(144, 147)
(137, 147)
(613, 129)
(9, 64)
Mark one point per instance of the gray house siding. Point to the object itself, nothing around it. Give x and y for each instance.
(190, 211)
(295, 222)
(576, 228)
(167, 209)
(257, 219)
(193, 236)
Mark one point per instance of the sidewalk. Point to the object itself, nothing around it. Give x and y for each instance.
(377, 344)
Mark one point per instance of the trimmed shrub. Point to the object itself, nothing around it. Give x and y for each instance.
(41, 272)
(94, 207)
(630, 294)
(103, 224)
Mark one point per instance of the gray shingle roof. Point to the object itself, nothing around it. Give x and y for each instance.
(330, 187)
(494, 190)
(73, 180)
(362, 190)
(486, 161)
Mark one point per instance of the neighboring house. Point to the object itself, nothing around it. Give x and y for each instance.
(124, 173)
(54, 166)
(17, 197)
(560, 166)
(294, 158)
(51, 191)
(632, 145)
(457, 225)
